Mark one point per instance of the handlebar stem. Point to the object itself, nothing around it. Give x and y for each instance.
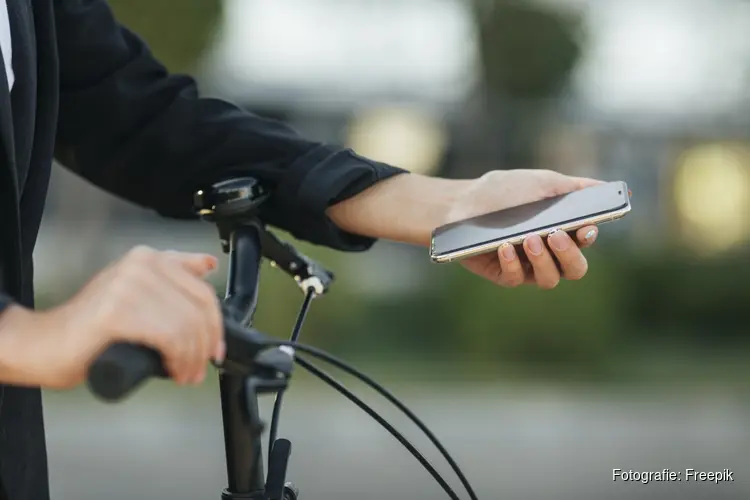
(242, 427)
(242, 442)
(233, 206)
(244, 269)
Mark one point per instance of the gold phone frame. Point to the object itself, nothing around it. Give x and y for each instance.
(517, 240)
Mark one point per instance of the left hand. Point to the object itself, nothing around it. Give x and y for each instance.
(534, 263)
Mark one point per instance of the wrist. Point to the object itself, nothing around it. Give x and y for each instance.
(35, 344)
(405, 208)
(19, 328)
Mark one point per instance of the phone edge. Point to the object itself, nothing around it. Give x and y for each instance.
(517, 240)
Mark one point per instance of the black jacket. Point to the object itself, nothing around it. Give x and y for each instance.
(89, 92)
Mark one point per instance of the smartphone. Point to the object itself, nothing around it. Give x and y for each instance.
(569, 212)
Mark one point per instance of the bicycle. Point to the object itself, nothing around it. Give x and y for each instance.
(255, 363)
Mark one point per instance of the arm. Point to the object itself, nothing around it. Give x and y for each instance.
(133, 129)
(158, 299)
(406, 208)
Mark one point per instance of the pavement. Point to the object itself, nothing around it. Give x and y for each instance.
(512, 442)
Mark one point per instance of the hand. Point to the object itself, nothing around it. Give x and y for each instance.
(500, 189)
(158, 299)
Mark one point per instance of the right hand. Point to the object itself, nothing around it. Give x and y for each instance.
(156, 298)
(536, 261)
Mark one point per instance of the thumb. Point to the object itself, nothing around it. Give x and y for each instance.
(584, 182)
(559, 184)
(199, 264)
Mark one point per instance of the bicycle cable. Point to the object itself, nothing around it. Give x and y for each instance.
(276, 415)
(328, 379)
(338, 386)
(345, 367)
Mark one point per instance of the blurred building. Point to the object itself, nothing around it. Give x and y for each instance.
(385, 77)
(666, 86)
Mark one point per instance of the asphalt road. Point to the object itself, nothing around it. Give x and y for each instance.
(543, 443)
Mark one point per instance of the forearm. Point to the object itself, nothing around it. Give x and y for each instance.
(404, 208)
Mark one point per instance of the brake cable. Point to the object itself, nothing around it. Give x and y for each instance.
(276, 415)
(328, 379)
(345, 367)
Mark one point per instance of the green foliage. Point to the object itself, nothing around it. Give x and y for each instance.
(625, 304)
(176, 30)
(707, 298)
(574, 325)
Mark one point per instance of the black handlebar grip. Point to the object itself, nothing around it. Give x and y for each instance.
(122, 368)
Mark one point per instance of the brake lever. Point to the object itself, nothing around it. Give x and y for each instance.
(306, 272)
(236, 202)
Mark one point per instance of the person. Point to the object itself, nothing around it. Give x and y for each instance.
(79, 87)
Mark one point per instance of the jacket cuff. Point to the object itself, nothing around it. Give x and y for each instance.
(306, 192)
(5, 301)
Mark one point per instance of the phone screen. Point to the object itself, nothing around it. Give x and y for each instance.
(540, 215)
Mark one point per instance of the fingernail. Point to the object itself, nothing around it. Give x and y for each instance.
(535, 244)
(206, 257)
(559, 241)
(200, 377)
(591, 235)
(508, 252)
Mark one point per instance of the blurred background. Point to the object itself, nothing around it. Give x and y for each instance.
(643, 365)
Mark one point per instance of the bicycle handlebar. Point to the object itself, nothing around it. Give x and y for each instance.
(122, 367)
(232, 206)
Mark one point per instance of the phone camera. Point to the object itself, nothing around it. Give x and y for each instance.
(619, 192)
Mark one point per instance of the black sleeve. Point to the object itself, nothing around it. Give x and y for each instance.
(5, 301)
(133, 129)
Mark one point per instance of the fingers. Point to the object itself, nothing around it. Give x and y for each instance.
(573, 264)
(586, 236)
(560, 258)
(198, 264)
(546, 274)
(198, 304)
(149, 311)
(160, 299)
(511, 269)
(539, 262)
(201, 265)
